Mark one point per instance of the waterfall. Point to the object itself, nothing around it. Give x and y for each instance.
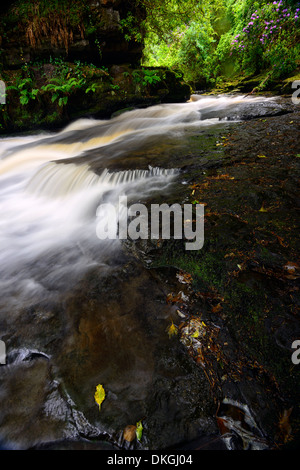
(52, 183)
(57, 180)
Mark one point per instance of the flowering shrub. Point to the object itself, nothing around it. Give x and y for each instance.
(269, 39)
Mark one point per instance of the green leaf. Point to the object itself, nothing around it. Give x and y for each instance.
(24, 99)
(195, 334)
(24, 82)
(91, 88)
(63, 101)
(99, 395)
(139, 430)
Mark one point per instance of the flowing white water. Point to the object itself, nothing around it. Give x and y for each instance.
(49, 193)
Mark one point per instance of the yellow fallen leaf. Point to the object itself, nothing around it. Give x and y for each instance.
(262, 209)
(262, 156)
(172, 330)
(99, 395)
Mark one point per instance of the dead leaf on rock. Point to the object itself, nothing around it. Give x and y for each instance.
(129, 433)
(292, 270)
(291, 267)
(172, 330)
(263, 209)
(99, 395)
(222, 425)
(175, 298)
(222, 177)
(285, 429)
(217, 308)
(184, 278)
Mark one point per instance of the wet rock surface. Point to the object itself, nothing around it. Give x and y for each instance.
(101, 333)
(246, 276)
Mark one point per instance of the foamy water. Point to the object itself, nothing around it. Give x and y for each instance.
(49, 192)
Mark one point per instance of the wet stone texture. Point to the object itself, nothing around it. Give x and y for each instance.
(111, 330)
(245, 280)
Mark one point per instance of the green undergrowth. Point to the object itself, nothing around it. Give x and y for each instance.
(47, 93)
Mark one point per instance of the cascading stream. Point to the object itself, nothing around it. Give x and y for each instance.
(51, 185)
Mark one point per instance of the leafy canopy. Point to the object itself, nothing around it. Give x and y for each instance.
(209, 39)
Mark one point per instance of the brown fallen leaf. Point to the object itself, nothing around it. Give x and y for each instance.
(291, 267)
(222, 177)
(129, 433)
(222, 425)
(184, 278)
(175, 298)
(284, 425)
(292, 270)
(217, 308)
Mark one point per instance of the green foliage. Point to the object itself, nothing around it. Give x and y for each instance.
(196, 48)
(183, 35)
(26, 92)
(93, 87)
(61, 89)
(132, 28)
(202, 40)
(209, 39)
(24, 86)
(269, 39)
(65, 79)
(145, 77)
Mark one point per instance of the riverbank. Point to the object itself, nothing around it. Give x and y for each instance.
(49, 96)
(257, 84)
(245, 280)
